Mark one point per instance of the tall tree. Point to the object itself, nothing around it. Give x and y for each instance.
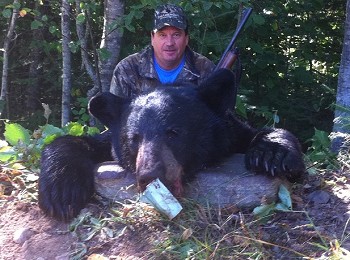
(106, 57)
(7, 44)
(32, 99)
(83, 32)
(66, 68)
(342, 112)
(111, 39)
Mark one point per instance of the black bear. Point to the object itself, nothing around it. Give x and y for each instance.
(170, 134)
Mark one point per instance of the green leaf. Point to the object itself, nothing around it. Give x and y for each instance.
(207, 5)
(95, 221)
(104, 54)
(321, 138)
(264, 210)
(49, 139)
(53, 29)
(7, 13)
(85, 117)
(50, 133)
(138, 14)
(15, 133)
(81, 18)
(48, 130)
(90, 235)
(130, 28)
(8, 153)
(275, 25)
(75, 129)
(17, 5)
(74, 46)
(257, 47)
(284, 196)
(258, 19)
(44, 18)
(36, 24)
(93, 131)
(240, 107)
(282, 207)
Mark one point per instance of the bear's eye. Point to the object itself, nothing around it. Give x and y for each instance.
(172, 133)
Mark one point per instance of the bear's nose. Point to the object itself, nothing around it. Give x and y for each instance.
(145, 178)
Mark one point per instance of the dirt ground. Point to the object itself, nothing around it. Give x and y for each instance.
(317, 227)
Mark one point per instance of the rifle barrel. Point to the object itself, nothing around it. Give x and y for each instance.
(244, 19)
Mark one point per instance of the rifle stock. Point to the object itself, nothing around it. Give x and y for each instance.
(231, 53)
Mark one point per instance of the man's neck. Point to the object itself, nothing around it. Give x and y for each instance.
(168, 75)
(169, 65)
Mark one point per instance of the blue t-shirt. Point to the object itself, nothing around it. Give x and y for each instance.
(168, 76)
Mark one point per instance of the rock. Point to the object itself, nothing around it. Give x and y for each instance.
(232, 184)
(21, 235)
(319, 196)
(339, 141)
(65, 256)
(97, 257)
(115, 183)
(229, 184)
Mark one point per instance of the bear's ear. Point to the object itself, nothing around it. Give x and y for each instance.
(218, 91)
(108, 108)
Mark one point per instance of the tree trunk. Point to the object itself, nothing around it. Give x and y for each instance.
(32, 90)
(342, 113)
(83, 35)
(7, 41)
(66, 68)
(111, 40)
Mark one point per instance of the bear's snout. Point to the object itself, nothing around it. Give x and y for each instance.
(157, 161)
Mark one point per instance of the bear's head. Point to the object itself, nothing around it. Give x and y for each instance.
(170, 132)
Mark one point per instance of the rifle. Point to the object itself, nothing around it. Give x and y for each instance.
(231, 53)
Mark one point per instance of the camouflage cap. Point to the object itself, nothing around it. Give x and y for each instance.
(169, 15)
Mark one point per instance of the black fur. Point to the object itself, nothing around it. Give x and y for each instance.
(170, 133)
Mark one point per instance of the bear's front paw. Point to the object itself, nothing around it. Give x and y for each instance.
(277, 154)
(275, 163)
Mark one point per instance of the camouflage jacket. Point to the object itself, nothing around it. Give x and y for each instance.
(136, 74)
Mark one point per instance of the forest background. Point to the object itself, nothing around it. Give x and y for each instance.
(55, 55)
(60, 53)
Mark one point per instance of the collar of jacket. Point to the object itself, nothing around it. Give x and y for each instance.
(147, 70)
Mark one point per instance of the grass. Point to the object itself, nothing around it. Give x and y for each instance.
(200, 232)
(205, 233)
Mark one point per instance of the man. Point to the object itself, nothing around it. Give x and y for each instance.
(167, 60)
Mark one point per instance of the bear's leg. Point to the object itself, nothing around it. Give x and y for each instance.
(66, 181)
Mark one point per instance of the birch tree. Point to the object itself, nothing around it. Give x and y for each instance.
(106, 57)
(342, 113)
(66, 63)
(111, 39)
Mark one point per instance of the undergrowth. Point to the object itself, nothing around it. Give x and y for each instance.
(199, 232)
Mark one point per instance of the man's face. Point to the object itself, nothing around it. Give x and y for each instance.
(169, 44)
